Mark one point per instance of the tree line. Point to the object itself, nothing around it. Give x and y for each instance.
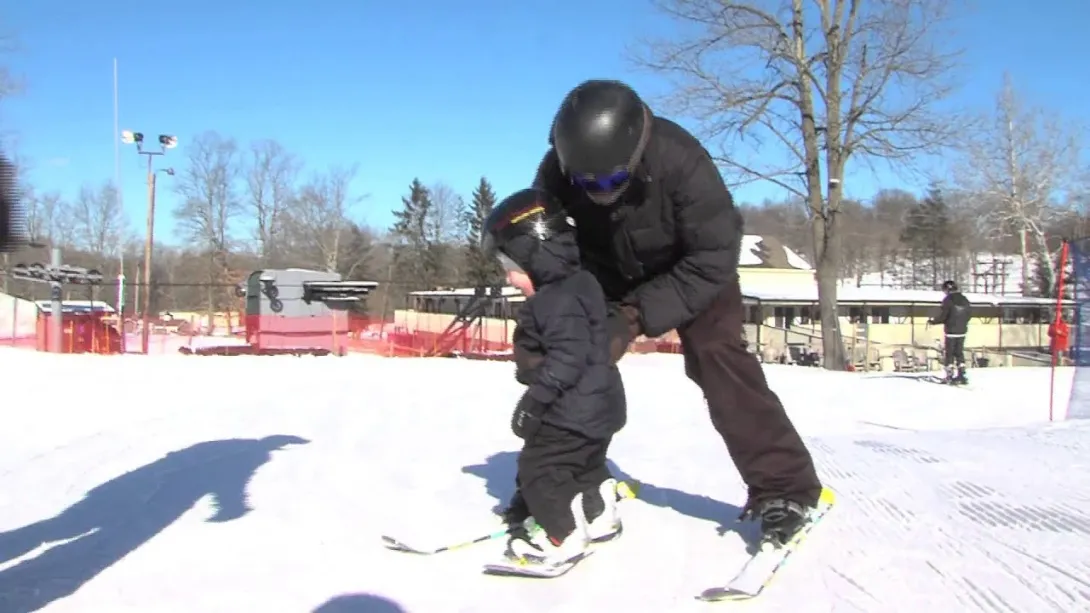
(253, 206)
(900, 239)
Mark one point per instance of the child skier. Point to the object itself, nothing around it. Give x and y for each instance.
(574, 402)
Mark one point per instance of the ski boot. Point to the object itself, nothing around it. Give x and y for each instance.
(602, 513)
(533, 547)
(781, 519)
(961, 379)
(951, 376)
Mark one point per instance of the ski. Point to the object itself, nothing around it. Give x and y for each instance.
(516, 568)
(626, 490)
(759, 571)
(943, 381)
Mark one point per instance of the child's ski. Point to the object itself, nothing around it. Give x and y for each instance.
(759, 571)
(625, 491)
(514, 569)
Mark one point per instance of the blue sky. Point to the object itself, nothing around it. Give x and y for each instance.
(441, 90)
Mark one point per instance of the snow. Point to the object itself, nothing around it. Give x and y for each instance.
(752, 247)
(182, 484)
(986, 273)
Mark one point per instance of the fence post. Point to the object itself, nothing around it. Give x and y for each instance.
(56, 344)
(1057, 323)
(14, 320)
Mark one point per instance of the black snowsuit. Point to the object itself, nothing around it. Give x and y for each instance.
(954, 315)
(670, 248)
(575, 401)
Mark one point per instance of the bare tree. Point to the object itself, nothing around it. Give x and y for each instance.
(445, 222)
(444, 227)
(1014, 168)
(209, 203)
(320, 216)
(270, 178)
(792, 82)
(98, 219)
(49, 218)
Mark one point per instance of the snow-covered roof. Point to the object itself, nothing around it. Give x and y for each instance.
(769, 252)
(873, 295)
(76, 306)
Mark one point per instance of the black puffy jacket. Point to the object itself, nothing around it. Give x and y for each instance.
(561, 343)
(954, 314)
(671, 243)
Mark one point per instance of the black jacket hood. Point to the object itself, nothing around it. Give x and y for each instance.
(545, 261)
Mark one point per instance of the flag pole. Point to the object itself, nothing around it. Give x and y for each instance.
(121, 206)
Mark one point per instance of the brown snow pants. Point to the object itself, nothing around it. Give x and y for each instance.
(767, 450)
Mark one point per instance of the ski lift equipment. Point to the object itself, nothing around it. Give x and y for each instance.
(40, 273)
(337, 291)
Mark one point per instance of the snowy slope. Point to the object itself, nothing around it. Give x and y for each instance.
(285, 471)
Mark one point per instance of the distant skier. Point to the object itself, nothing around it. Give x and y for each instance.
(575, 400)
(954, 316)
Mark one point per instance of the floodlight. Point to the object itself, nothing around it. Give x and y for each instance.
(128, 137)
(168, 141)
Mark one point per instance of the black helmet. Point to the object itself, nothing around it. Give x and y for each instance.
(949, 286)
(530, 212)
(600, 133)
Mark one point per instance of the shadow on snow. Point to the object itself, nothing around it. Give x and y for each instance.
(499, 470)
(115, 518)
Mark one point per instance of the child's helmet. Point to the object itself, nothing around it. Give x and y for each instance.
(532, 213)
(949, 286)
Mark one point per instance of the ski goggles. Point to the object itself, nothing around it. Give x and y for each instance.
(601, 184)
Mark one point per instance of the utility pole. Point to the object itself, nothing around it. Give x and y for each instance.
(166, 141)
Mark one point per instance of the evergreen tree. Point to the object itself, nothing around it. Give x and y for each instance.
(927, 234)
(1043, 279)
(415, 258)
(481, 270)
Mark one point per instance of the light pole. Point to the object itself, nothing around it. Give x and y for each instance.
(166, 141)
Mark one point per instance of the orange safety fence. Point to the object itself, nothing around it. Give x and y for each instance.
(337, 334)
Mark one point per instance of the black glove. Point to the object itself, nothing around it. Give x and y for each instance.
(526, 363)
(527, 417)
(623, 326)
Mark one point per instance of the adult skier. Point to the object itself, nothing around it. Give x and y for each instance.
(657, 226)
(954, 316)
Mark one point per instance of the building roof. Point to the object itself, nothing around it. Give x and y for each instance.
(803, 294)
(76, 306)
(807, 294)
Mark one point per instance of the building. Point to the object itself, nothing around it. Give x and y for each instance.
(779, 288)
